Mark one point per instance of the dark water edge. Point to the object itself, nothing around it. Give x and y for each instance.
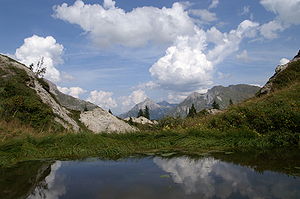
(257, 174)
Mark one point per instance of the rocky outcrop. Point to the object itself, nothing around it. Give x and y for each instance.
(141, 120)
(214, 111)
(99, 120)
(57, 109)
(61, 113)
(268, 87)
(297, 57)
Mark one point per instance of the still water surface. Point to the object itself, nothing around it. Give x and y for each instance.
(152, 177)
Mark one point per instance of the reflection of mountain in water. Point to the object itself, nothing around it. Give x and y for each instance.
(210, 178)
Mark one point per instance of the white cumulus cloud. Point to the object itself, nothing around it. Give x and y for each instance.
(188, 64)
(270, 30)
(73, 91)
(35, 48)
(287, 11)
(102, 98)
(228, 43)
(134, 98)
(108, 24)
(109, 4)
(184, 65)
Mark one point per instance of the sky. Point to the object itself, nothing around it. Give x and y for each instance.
(117, 53)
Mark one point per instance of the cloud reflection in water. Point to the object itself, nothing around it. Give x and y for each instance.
(210, 178)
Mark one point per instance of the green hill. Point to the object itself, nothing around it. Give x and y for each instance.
(276, 111)
(34, 102)
(18, 102)
(273, 114)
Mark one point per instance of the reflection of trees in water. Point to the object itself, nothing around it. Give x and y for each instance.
(51, 187)
(21, 180)
(209, 178)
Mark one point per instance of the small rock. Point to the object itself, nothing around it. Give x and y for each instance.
(141, 120)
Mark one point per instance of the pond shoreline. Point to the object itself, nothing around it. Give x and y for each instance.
(114, 146)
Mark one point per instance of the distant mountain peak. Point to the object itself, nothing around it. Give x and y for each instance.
(221, 94)
(165, 103)
(148, 100)
(157, 110)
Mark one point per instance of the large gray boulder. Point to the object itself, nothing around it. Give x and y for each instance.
(100, 121)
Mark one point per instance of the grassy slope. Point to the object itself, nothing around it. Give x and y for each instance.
(276, 115)
(21, 104)
(264, 122)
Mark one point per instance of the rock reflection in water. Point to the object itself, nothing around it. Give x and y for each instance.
(19, 181)
(52, 187)
(210, 178)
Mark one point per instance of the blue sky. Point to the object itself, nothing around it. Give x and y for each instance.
(117, 53)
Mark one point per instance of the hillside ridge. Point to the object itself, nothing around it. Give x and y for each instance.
(37, 102)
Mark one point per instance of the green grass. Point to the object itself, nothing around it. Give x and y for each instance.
(279, 111)
(287, 77)
(276, 116)
(19, 102)
(114, 146)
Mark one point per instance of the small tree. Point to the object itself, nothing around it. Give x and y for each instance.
(215, 105)
(192, 111)
(130, 121)
(85, 108)
(140, 113)
(110, 111)
(230, 102)
(147, 113)
(40, 69)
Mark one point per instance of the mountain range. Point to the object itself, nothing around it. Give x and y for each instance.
(222, 95)
(156, 110)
